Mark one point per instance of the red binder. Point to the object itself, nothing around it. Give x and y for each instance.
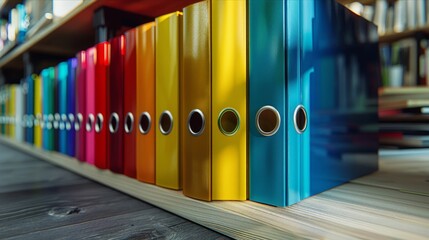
(80, 105)
(116, 91)
(130, 104)
(101, 104)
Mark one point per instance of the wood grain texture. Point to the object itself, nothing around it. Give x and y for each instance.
(383, 205)
(41, 201)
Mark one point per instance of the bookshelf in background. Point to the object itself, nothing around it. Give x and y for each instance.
(403, 27)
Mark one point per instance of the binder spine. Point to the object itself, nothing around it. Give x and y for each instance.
(81, 112)
(48, 94)
(71, 107)
(229, 105)
(37, 111)
(90, 105)
(196, 102)
(19, 113)
(29, 122)
(168, 77)
(62, 105)
(145, 103)
(267, 103)
(116, 91)
(101, 104)
(130, 104)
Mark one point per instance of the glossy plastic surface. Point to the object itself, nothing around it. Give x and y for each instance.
(80, 142)
(71, 107)
(145, 102)
(168, 77)
(130, 104)
(90, 153)
(62, 74)
(116, 93)
(102, 104)
(196, 95)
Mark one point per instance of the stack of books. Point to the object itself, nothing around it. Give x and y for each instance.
(404, 116)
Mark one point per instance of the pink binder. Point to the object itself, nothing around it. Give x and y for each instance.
(80, 106)
(90, 106)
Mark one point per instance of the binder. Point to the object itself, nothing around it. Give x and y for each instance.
(129, 125)
(71, 107)
(2, 111)
(48, 93)
(229, 105)
(272, 178)
(37, 111)
(145, 103)
(168, 76)
(293, 98)
(19, 113)
(90, 105)
(62, 73)
(340, 77)
(12, 112)
(80, 143)
(56, 116)
(30, 113)
(116, 91)
(196, 102)
(101, 104)
(214, 101)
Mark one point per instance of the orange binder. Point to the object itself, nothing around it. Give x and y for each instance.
(145, 103)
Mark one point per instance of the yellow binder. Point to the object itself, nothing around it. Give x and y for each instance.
(229, 87)
(12, 113)
(37, 111)
(168, 76)
(214, 100)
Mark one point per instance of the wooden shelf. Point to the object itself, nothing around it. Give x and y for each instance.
(365, 2)
(395, 36)
(392, 203)
(64, 37)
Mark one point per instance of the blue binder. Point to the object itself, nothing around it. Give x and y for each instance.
(29, 130)
(342, 94)
(71, 107)
(298, 93)
(62, 74)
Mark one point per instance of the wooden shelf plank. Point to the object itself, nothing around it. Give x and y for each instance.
(74, 32)
(383, 205)
(395, 36)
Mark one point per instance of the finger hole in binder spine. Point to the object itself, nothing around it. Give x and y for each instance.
(166, 122)
(229, 121)
(129, 123)
(90, 122)
(145, 123)
(78, 122)
(99, 123)
(113, 123)
(196, 122)
(300, 119)
(268, 121)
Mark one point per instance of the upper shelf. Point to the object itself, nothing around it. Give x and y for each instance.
(394, 36)
(66, 36)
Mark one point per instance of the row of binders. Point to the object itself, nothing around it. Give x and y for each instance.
(227, 100)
